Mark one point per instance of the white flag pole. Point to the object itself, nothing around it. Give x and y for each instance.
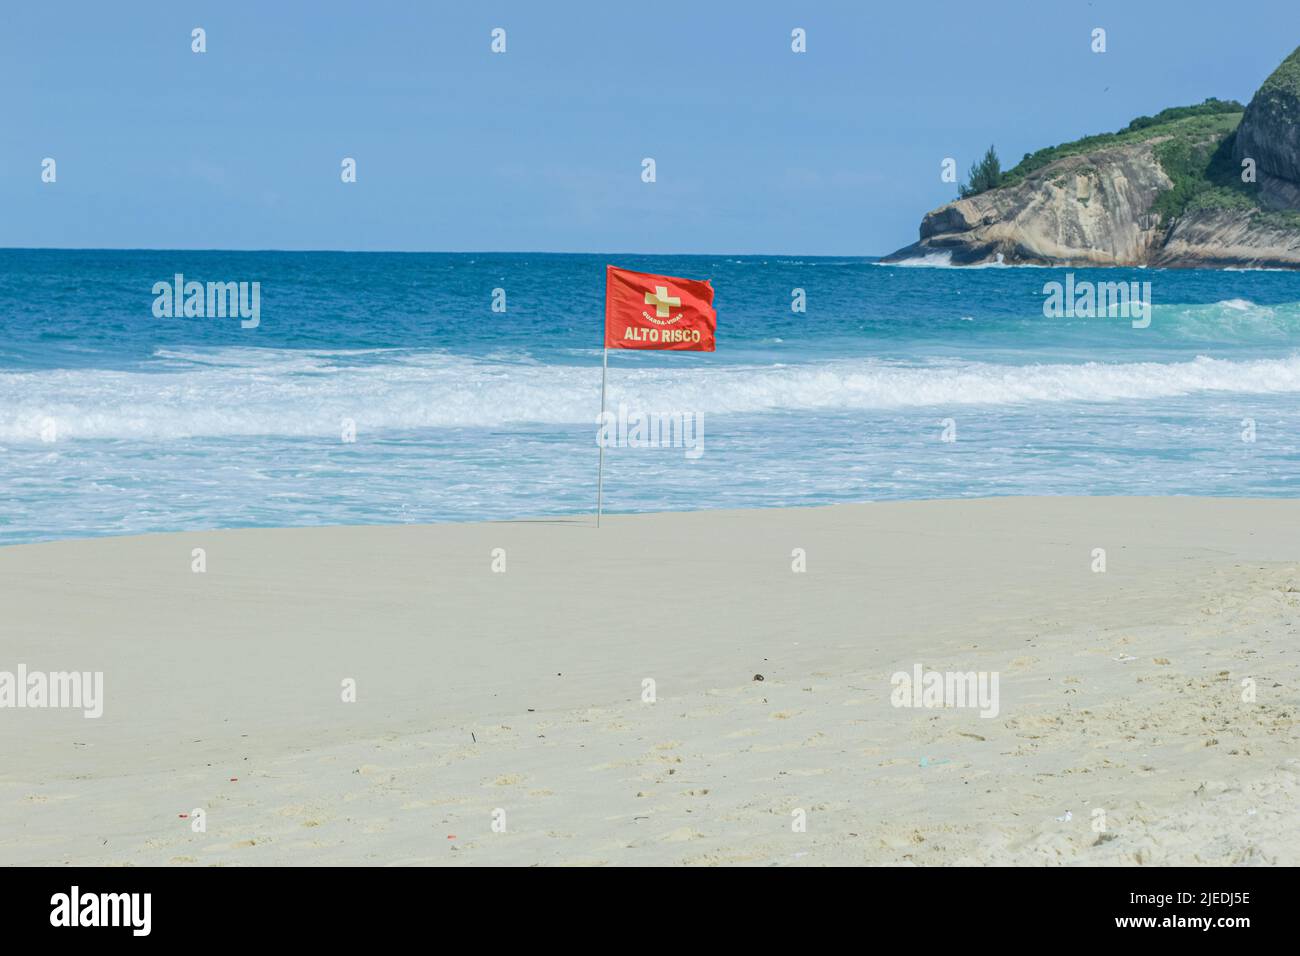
(600, 473)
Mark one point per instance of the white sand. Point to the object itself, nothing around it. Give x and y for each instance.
(522, 690)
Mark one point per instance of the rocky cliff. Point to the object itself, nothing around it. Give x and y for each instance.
(1165, 191)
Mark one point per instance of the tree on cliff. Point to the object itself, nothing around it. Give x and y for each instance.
(984, 175)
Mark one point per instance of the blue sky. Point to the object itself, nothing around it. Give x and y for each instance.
(758, 150)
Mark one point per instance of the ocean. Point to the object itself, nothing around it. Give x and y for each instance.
(381, 388)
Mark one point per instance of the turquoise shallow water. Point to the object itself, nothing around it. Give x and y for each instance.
(115, 421)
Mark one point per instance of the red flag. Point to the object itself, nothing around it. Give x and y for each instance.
(646, 311)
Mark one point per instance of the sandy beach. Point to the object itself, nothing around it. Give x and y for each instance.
(1146, 714)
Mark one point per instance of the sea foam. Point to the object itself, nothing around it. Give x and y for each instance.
(247, 392)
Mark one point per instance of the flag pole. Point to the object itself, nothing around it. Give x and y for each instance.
(600, 473)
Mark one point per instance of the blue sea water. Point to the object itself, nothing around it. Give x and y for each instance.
(114, 421)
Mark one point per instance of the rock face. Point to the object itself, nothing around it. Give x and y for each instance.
(1270, 129)
(1090, 209)
(1219, 239)
(1098, 208)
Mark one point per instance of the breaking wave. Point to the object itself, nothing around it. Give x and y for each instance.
(244, 392)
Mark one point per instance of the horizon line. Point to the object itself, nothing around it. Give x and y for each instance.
(439, 252)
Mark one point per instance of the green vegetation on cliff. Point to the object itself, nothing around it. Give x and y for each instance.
(1204, 176)
(1280, 93)
(1213, 119)
(1195, 151)
(984, 175)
